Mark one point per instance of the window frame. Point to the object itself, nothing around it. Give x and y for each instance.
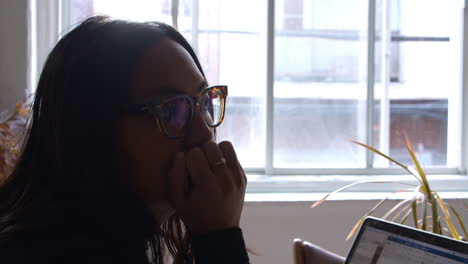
(274, 180)
(279, 180)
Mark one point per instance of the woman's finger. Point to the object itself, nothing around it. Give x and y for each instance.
(178, 180)
(199, 169)
(231, 159)
(218, 165)
(213, 154)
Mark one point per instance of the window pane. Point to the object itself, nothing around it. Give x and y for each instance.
(320, 83)
(422, 81)
(79, 11)
(136, 10)
(320, 75)
(232, 50)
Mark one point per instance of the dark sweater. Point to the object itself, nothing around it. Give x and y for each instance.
(225, 246)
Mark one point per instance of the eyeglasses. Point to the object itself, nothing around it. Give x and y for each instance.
(174, 116)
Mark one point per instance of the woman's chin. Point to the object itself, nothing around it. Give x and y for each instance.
(162, 211)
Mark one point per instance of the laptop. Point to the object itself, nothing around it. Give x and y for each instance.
(383, 242)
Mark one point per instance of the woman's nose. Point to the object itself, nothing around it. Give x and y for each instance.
(199, 132)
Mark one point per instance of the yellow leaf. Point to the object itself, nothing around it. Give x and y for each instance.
(355, 228)
(447, 217)
(23, 111)
(460, 221)
(317, 203)
(418, 166)
(387, 157)
(414, 210)
(452, 228)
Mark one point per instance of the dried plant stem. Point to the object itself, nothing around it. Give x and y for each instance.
(424, 197)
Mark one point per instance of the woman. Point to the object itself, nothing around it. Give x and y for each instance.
(120, 164)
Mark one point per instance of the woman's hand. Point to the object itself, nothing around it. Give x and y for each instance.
(208, 187)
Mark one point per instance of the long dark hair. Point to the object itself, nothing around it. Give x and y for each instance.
(66, 181)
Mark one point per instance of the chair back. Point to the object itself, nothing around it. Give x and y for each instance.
(308, 253)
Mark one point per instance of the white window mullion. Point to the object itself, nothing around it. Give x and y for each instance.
(370, 81)
(464, 165)
(175, 13)
(64, 16)
(455, 101)
(46, 24)
(32, 48)
(195, 25)
(384, 132)
(270, 87)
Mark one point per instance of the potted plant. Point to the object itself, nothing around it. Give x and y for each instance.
(11, 131)
(427, 209)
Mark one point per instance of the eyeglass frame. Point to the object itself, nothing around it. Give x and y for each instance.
(154, 109)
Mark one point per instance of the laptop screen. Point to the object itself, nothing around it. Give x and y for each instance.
(386, 243)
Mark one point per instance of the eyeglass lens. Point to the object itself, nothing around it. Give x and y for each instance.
(175, 115)
(210, 106)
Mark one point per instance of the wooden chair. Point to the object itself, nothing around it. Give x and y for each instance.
(308, 253)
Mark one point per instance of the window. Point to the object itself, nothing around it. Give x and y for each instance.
(308, 76)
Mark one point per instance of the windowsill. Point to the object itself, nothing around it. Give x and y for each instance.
(263, 188)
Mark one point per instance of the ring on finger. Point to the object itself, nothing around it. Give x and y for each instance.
(222, 161)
